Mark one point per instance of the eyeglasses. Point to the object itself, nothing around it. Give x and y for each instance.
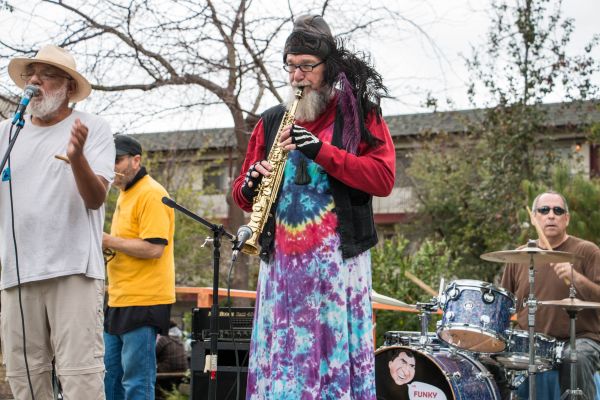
(302, 67)
(545, 210)
(44, 76)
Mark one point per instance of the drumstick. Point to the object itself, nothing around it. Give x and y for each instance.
(542, 237)
(66, 159)
(420, 283)
(540, 232)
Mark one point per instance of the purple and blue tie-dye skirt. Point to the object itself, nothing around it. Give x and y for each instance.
(312, 336)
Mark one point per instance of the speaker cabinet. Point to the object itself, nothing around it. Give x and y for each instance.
(227, 370)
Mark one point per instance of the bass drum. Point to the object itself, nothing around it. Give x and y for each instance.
(409, 373)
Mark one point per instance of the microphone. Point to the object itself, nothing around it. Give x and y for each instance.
(244, 233)
(29, 92)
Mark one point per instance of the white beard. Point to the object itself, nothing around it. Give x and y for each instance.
(312, 104)
(48, 105)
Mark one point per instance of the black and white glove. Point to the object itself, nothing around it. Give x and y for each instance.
(306, 142)
(247, 191)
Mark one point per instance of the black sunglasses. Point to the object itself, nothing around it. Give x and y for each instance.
(546, 209)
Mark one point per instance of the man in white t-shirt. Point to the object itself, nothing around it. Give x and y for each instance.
(52, 196)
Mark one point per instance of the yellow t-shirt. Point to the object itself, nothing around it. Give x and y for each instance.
(141, 214)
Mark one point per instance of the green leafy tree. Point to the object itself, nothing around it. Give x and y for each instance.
(470, 186)
(390, 261)
(582, 195)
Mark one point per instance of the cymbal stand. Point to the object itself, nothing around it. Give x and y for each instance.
(573, 392)
(515, 379)
(531, 310)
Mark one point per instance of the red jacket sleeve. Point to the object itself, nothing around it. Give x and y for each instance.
(373, 170)
(254, 153)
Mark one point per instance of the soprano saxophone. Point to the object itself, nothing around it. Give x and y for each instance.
(269, 185)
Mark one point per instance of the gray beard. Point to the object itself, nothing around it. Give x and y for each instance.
(312, 105)
(46, 107)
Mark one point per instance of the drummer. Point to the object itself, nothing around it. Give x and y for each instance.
(552, 281)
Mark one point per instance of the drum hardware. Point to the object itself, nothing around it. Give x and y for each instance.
(515, 379)
(485, 321)
(532, 255)
(572, 306)
(483, 376)
(573, 392)
(425, 310)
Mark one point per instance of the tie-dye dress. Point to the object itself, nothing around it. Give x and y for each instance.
(312, 336)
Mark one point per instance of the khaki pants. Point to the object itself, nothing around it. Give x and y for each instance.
(63, 321)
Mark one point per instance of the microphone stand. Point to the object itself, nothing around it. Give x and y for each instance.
(19, 123)
(218, 232)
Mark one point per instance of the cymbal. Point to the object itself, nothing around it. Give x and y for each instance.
(524, 255)
(379, 298)
(570, 304)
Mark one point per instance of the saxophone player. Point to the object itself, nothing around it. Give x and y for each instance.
(312, 334)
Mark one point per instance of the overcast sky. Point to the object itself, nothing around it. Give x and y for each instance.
(410, 64)
(457, 26)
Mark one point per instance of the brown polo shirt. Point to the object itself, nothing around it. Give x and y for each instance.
(553, 320)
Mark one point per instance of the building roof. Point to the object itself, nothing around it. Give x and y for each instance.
(557, 115)
(187, 140)
(405, 125)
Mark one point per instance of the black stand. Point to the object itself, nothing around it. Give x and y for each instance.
(218, 232)
(425, 310)
(531, 310)
(515, 379)
(573, 392)
(19, 124)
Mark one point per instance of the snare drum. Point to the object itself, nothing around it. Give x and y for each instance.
(476, 316)
(405, 372)
(516, 355)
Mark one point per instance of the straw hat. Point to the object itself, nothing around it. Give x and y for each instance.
(57, 57)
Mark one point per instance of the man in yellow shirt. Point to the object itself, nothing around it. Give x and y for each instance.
(141, 277)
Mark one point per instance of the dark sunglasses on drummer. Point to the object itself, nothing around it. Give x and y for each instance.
(545, 210)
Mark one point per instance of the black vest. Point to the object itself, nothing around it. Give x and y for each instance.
(354, 208)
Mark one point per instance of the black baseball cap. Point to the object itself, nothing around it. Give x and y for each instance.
(125, 144)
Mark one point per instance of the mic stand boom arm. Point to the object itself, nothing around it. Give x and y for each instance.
(218, 232)
(18, 121)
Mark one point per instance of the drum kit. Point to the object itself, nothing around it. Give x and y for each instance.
(474, 337)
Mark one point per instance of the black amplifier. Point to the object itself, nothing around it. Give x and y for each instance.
(235, 325)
